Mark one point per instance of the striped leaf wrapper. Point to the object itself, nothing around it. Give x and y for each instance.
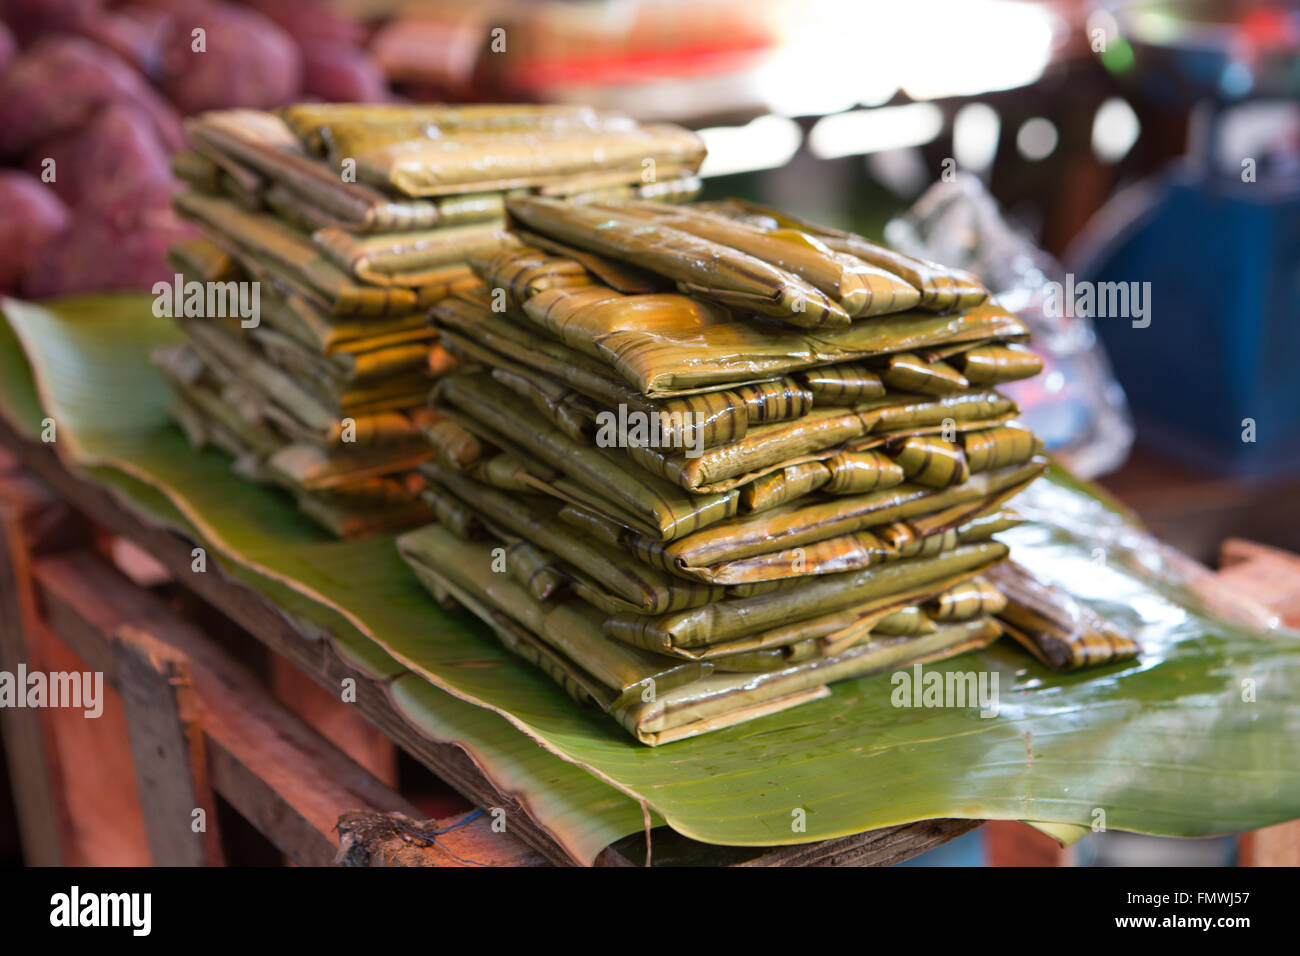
(659, 699)
(694, 462)
(344, 129)
(569, 157)
(939, 287)
(1055, 628)
(663, 343)
(349, 222)
(739, 442)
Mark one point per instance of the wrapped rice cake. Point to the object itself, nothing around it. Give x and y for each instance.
(340, 226)
(748, 457)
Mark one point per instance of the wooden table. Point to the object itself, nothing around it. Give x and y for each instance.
(190, 732)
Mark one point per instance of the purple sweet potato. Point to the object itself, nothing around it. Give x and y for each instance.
(59, 82)
(33, 216)
(135, 33)
(122, 247)
(8, 47)
(311, 22)
(116, 152)
(342, 74)
(247, 60)
(29, 20)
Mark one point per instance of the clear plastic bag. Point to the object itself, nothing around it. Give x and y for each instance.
(1076, 406)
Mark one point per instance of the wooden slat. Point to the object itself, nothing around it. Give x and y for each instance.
(884, 847)
(279, 773)
(395, 839)
(167, 750)
(33, 767)
(1269, 575)
(1272, 577)
(1011, 843)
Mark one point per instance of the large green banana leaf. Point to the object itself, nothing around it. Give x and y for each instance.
(580, 812)
(1198, 736)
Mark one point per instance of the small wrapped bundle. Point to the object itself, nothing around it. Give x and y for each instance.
(973, 598)
(523, 272)
(846, 384)
(859, 288)
(698, 266)
(344, 129)
(908, 372)
(668, 345)
(940, 288)
(412, 259)
(440, 166)
(257, 148)
(931, 461)
(1055, 628)
(855, 472)
(998, 447)
(987, 364)
(534, 570)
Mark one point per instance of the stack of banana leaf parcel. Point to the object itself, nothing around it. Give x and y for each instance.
(697, 462)
(340, 226)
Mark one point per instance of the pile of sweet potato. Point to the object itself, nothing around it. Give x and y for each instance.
(91, 95)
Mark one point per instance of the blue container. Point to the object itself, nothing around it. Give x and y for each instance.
(1223, 345)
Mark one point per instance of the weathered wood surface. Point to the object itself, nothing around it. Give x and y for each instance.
(211, 723)
(1272, 577)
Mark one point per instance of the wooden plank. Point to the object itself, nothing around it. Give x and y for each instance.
(278, 772)
(32, 760)
(1272, 577)
(167, 750)
(1011, 843)
(395, 839)
(338, 721)
(1269, 575)
(884, 847)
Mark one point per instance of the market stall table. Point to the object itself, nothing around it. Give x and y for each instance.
(220, 731)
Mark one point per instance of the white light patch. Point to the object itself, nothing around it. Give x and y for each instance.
(974, 46)
(1037, 138)
(763, 143)
(871, 131)
(975, 132)
(1115, 129)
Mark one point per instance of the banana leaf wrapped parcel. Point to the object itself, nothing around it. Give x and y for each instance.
(695, 462)
(345, 223)
(745, 452)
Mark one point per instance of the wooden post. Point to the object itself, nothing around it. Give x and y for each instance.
(1272, 577)
(29, 742)
(167, 749)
